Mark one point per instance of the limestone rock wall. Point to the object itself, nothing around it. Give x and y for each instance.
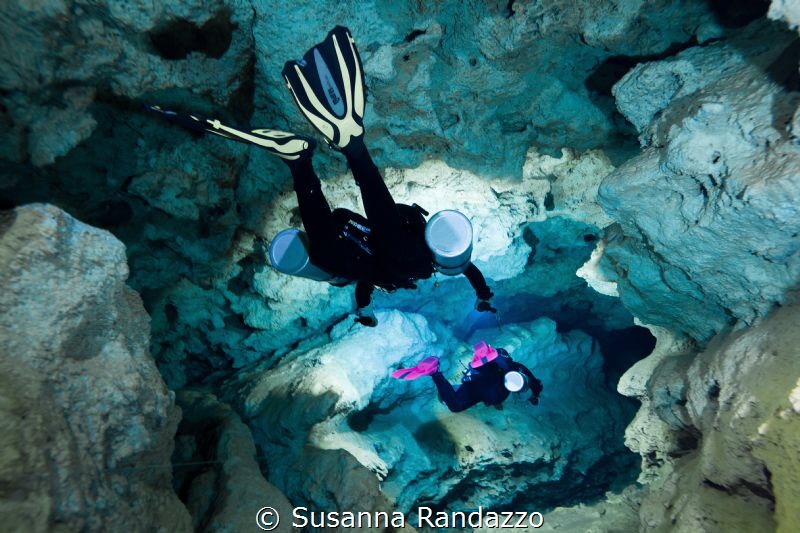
(86, 422)
(718, 430)
(708, 217)
(705, 249)
(218, 473)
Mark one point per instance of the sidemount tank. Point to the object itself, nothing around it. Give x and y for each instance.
(288, 253)
(449, 236)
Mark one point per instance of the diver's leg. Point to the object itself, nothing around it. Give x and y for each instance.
(456, 400)
(379, 205)
(314, 209)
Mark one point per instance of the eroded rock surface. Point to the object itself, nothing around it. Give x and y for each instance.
(218, 473)
(718, 430)
(86, 420)
(708, 213)
(191, 210)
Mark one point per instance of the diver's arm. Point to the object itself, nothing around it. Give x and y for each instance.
(482, 290)
(364, 313)
(535, 383)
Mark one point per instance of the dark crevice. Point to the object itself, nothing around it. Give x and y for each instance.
(360, 421)
(784, 72)
(758, 490)
(178, 38)
(549, 202)
(413, 35)
(241, 101)
(713, 391)
(171, 312)
(610, 71)
(738, 13)
(510, 9)
(716, 486)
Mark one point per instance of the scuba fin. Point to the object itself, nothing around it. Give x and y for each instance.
(281, 143)
(426, 367)
(328, 87)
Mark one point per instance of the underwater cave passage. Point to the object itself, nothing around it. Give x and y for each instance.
(178, 38)
(609, 72)
(738, 13)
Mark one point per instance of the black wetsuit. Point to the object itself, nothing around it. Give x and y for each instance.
(390, 254)
(483, 384)
(386, 250)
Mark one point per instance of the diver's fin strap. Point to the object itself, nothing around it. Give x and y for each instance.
(327, 85)
(281, 143)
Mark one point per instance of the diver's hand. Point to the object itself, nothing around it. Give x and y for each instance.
(484, 306)
(536, 389)
(366, 317)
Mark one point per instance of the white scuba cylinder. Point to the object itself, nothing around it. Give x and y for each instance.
(288, 253)
(448, 234)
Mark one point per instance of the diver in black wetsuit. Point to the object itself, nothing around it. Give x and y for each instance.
(387, 249)
(490, 378)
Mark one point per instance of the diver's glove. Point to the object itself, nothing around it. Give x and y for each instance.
(366, 316)
(484, 306)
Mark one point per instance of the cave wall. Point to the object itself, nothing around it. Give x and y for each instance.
(332, 402)
(717, 430)
(87, 422)
(704, 248)
(707, 214)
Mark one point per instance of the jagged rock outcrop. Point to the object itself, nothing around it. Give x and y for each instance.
(521, 71)
(718, 430)
(121, 50)
(217, 471)
(86, 422)
(788, 10)
(708, 217)
(706, 249)
(331, 407)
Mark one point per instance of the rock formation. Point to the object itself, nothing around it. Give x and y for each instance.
(705, 248)
(717, 430)
(708, 213)
(217, 471)
(87, 422)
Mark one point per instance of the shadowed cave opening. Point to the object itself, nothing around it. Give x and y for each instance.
(178, 38)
